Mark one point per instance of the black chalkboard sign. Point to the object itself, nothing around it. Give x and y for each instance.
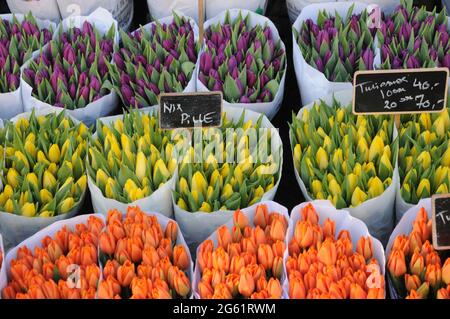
(400, 91)
(190, 110)
(441, 221)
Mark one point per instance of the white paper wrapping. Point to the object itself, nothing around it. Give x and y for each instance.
(163, 221)
(273, 207)
(214, 7)
(11, 102)
(269, 108)
(104, 106)
(311, 82)
(42, 9)
(15, 228)
(377, 212)
(196, 227)
(122, 10)
(163, 8)
(35, 241)
(343, 221)
(159, 201)
(294, 7)
(404, 227)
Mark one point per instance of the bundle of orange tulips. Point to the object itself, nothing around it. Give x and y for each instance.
(142, 260)
(321, 265)
(416, 269)
(64, 267)
(248, 259)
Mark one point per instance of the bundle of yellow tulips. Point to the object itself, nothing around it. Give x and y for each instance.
(44, 172)
(131, 158)
(424, 155)
(231, 174)
(341, 157)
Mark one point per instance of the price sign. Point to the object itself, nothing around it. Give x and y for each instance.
(190, 110)
(400, 91)
(441, 221)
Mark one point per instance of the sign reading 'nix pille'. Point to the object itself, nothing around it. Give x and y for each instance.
(400, 91)
(190, 110)
(441, 221)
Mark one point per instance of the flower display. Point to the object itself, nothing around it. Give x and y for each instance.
(142, 260)
(245, 63)
(413, 38)
(63, 266)
(44, 174)
(218, 184)
(247, 261)
(154, 60)
(71, 71)
(337, 46)
(424, 155)
(416, 269)
(341, 157)
(325, 265)
(131, 157)
(18, 40)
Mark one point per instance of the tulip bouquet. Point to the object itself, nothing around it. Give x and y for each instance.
(337, 46)
(61, 266)
(344, 158)
(414, 38)
(44, 165)
(416, 269)
(154, 59)
(424, 155)
(216, 184)
(245, 259)
(131, 158)
(71, 71)
(18, 40)
(246, 63)
(144, 256)
(322, 264)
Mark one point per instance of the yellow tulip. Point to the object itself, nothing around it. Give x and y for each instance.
(54, 154)
(45, 196)
(12, 177)
(110, 183)
(205, 207)
(259, 192)
(53, 168)
(363, 148)
(440, 174)
(227, 191)
(322, 158)
(334, 188)
(316, 187)
(66, 205)
(184, 186)
(8, 191)
(126, 142)
(81, 182)
(338, 157)
(9, 206)
(100, 178)
(358, 197)
(446, 158)
(46, 214)
(182, 204)
(376, 187)
(130, 186)
(297, 156)
(32, 179)
(118, 125)
(141, 165)
(352, 180)
(28, 210)
(442, 189)
(424, 159)
(199, 183)
(376, 148)
(424, 188)
(30, 148)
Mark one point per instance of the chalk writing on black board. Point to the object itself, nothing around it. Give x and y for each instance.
(441, 221)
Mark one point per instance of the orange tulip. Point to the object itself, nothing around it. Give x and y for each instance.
(309, 214)
(427, 248)
(54, 251)
(344, 247)
(294, 248)
(309, 279)
(36, 292)
(446, 272)
(344, 234)
(140, 288)
(107, 243)
(110, 268)
(304, 234)
(92, 275)
(314, 294)
(217, 277)
(125, 273)
(248, 245)
(204, 260)
(443, 294)
(182, 285)
(396, 263)
(255, 270)
(423, 290)
(165, 264)
(62, 239)
(417, 264)
(18, 273)
(150, 257)
(150, 239)
(333, 272)
(277, 230)
(413, 295)
(232, 282)
(74, 241)
(9, 292)
(433, 259)
(365, 248)
(234, 249)
(297, 288)
(259, 236)
(247, 233)
(412, 282)
(112, 215)
(433, 275)
(171, 231)
(360, 277)
(165, 248)
(421, 215)
(95, 225)
(277, 267)
(221, 260)
(156, 272)
(265, 256)
(261, 284)
(236, 235)
(337, 291)
(240, 220)
(205, 290)
(274, 288)
(327, 252)
(280, 217)
(50, 290)
(159, 293)
(144, 271)
(401, 243)
(249, 258)
(246, 281)
(323, 282)
(261, 217)
(180, 257)
(278, 248)
(329, 228)
(236, 264)
(115, 227)
(221, 291)
(88, 255)
(224, 236)
(375, 293)
(263, 294)
(108, 288)
(357, 292)
(423, 228)
(48, 270)
(415, 241)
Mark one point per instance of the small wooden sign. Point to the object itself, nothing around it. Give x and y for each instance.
(190, 110)
(441, 221)
(400, 91)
